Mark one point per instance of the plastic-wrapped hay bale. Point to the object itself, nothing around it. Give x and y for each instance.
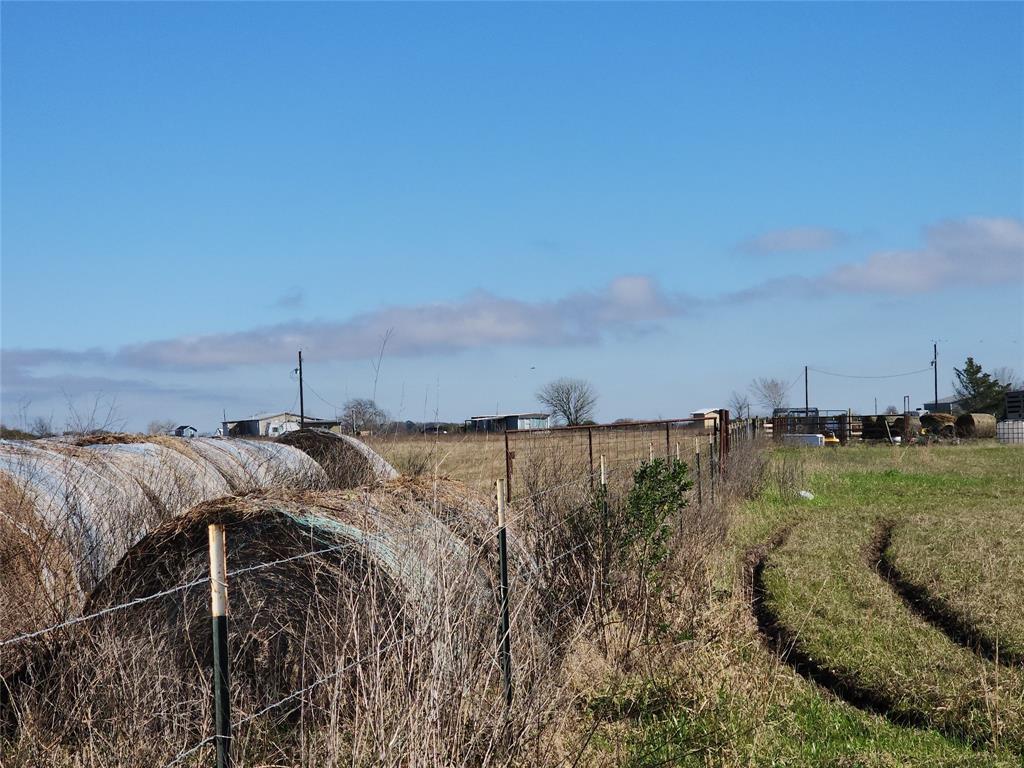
(66, 519)
(348, 462)
(253, 465)
(175, 482)
(975, 425)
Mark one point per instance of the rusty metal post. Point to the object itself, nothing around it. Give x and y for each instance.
(590, 451)
(508, 469)
(505, 644)
(668, 443)
(700, 493)
(724, 438)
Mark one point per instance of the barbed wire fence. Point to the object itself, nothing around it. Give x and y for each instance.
(542, 507)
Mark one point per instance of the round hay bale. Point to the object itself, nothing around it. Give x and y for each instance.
(976, 425)
(402, 576)
(347, 462)
(934, 422)
(261, 464)
(107, 438)
(91, 512)
(37, 576)
(908, 424)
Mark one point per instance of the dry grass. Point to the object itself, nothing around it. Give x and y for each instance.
(475, 459)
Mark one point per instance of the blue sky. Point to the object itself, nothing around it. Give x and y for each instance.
(668, 200)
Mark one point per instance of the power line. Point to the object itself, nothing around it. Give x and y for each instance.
(322, 398)
(858, 376)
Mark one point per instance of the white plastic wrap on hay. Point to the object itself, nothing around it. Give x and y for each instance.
(257, 464)
(1010, 432)
(380, 466)
(422, 555)
(94, 511)
(176, 482)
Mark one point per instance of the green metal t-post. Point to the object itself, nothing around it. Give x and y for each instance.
(218, 614)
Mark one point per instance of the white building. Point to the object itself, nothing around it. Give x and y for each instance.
(271, 425)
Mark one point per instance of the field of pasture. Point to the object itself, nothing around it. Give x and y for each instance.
(879, 623)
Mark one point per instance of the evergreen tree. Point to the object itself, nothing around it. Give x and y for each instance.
(977, 390)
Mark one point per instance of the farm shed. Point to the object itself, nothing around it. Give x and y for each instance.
(949, 404)
(502, 422)
(271, 425)
(705, 417)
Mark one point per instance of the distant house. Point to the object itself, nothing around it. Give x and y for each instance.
(705, 417)
(502, 422)
(949, 404)
(271, 425)
(185, 430)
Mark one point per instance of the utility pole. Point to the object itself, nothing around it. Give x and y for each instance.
(807, 402)
(935, 371)
(302, 404)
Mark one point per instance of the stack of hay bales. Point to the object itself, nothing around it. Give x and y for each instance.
(939, 424)
(975, 425)
(70, 508)
(402, 575)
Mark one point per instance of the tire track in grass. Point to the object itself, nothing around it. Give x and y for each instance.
(784, 642)
(932, 608)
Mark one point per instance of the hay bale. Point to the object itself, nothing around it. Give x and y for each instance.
(908, 424)
(71, 511)
(934, 422)
(107, 438)
(91, 512)
(259, 464)
(347, 462)
(409, 566)
(975, 425)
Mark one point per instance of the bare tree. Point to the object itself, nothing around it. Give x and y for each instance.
(771, 393)
(362, 414)
(891, 410)
(1006, 375)
(571, 400)
(739, 405)
(160, 427)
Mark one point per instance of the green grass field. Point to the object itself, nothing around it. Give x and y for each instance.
(867, 679)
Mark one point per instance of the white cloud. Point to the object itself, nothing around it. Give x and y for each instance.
(628, 304)
(965, 252)
(794, 240)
